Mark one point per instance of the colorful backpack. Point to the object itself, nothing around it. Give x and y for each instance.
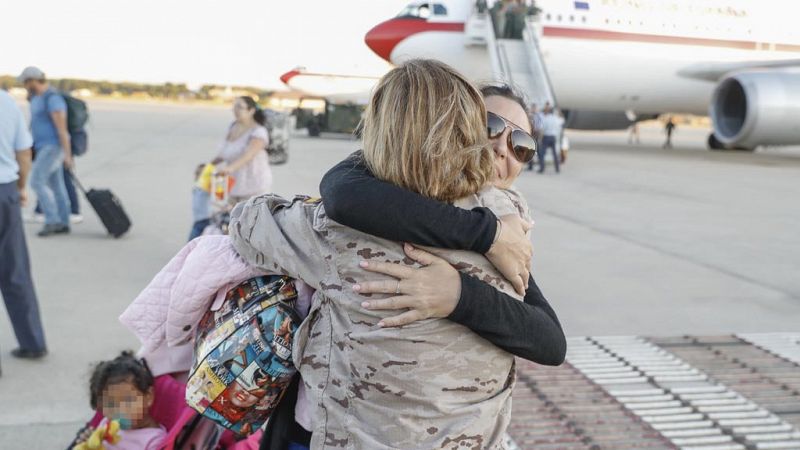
(243, 354)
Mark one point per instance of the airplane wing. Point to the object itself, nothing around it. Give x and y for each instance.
(715, 71)
(333, 87)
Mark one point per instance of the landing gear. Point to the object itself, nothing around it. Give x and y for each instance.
(715, 144)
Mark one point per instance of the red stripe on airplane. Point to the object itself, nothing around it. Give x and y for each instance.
(602, 35)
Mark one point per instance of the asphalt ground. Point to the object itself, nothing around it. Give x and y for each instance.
(629, 240)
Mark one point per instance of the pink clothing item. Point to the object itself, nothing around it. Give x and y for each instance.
(168, 401)
(167, 311)
(255, 178)
(228, 441)
(165, 314)
(141, 439)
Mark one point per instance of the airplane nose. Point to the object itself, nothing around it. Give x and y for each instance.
(383, 38)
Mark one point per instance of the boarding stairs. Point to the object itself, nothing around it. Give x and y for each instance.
(513, 61)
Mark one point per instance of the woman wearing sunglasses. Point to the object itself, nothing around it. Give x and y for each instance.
(354, 197)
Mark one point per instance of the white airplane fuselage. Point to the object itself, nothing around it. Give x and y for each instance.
(615, 55)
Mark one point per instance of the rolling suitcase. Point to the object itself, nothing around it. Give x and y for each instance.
(108, 208)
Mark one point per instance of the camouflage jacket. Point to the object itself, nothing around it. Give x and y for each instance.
(430, 384)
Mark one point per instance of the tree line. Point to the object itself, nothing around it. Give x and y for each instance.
(165, 90)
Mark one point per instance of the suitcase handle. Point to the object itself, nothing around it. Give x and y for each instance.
(75, 179)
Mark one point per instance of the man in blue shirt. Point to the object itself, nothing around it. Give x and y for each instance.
(53, 151)
(16, 284)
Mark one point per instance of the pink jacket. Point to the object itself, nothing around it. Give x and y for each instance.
(164, 315)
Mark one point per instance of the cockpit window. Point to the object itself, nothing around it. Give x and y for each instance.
(423, 10)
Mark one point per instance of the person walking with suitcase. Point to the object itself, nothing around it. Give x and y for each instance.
(53, 151)
(16, 284)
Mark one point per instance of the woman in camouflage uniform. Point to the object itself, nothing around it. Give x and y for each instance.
(431, 384)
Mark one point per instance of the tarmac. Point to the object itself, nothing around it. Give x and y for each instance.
(630, 240)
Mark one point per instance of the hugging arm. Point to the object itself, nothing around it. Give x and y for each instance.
(355, 198)
(528, 329)
(278, 236)
(352, 195)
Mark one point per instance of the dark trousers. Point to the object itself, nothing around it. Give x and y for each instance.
(16, 284)
(548, 142)
(74, 204)
(198, 227)
(538, 138)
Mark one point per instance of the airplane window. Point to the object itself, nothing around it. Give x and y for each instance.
(572, 18)
(548, 17)
(419, 11)
(424, 11)
(559, 18)
(583, 19)
(439, 9)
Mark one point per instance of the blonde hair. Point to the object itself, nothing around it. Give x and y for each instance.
(425, 130)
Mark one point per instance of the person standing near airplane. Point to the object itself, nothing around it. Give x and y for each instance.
(668, 129)
(551, 130)
(537, 120)
(633, 134)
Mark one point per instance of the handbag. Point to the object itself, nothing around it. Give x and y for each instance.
(242, 362)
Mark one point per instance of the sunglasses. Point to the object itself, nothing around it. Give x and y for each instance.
(521, 143)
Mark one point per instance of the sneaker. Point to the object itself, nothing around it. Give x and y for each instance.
(28, 354)
(34, 218)
(75, 218)
(53, 228)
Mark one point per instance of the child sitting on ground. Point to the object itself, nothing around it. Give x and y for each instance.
(122, 390)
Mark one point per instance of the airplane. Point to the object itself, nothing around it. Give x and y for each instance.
(609, 63)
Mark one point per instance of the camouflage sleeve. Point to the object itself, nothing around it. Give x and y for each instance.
(279, 236)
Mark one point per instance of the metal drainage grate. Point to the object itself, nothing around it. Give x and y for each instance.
(691, 410)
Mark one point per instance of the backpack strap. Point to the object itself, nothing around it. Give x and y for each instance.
(47, 95)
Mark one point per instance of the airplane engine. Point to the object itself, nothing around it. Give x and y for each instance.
(755, 108)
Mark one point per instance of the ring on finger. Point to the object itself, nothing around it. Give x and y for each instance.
(397, 291)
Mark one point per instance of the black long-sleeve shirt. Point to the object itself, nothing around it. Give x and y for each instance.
(529, 329)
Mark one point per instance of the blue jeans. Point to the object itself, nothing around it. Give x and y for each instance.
(72, 194)
(47, 180)
(198, 227)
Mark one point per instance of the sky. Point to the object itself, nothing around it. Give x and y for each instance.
(229, 42)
